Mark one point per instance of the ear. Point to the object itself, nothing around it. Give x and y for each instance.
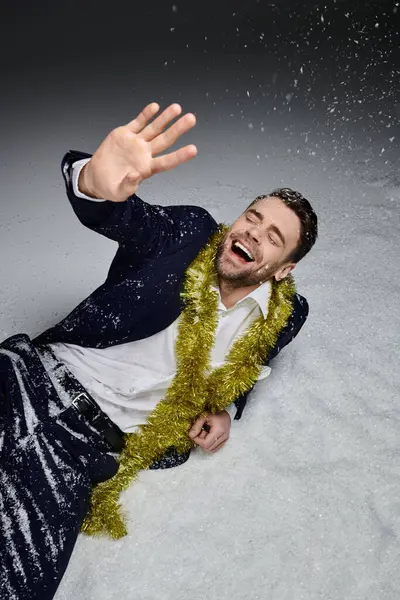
(283, 271)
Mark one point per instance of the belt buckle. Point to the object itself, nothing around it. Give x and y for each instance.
(78, 400)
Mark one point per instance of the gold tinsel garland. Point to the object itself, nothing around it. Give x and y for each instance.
(194, 390)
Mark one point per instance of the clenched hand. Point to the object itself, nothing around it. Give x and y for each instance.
(128, 155)
(219, 426)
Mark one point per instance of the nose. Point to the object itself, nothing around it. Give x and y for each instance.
(254, 233)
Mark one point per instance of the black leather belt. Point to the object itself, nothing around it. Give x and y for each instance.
(86, 406)
(82, 402)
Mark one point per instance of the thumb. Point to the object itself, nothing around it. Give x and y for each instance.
(197, 427)
(130, 184)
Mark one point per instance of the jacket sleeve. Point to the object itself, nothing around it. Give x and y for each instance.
(147, 229)
(295, 323)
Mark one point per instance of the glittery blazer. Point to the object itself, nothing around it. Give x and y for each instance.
(141, 293)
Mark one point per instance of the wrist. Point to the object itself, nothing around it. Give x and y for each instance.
(227, 413)
(84, 184)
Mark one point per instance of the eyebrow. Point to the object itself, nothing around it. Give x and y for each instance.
(273, 228)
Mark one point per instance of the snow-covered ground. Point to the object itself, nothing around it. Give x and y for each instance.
(303, 503)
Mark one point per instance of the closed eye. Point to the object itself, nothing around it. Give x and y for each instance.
(272, 240)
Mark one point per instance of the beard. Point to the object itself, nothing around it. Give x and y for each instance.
(240, 276)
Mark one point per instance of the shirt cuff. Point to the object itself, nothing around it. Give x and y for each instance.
(76, 169)
(265, 372)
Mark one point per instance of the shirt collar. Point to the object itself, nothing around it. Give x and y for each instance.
(260, 295)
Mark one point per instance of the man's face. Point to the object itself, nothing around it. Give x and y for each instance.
(258, 244)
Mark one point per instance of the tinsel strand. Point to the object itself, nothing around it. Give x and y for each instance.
(191, 392)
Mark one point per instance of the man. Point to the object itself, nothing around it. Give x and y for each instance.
(165, 350)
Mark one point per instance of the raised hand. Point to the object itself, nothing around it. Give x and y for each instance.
(128, 155)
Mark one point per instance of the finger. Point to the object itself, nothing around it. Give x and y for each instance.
(137, 124)
(212, 440)
(199, 441)
(196, 428)
(217, 443)
(173, 159)
(219, 447)
(160, 123)
(167, 138)
(202, 436)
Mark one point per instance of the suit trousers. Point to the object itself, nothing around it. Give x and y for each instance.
(50, 458)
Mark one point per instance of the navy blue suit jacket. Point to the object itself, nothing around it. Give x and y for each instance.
(141, 293)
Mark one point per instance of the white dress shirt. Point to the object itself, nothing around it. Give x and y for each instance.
(128, 380)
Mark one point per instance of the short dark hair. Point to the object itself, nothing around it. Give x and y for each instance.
(308, 219)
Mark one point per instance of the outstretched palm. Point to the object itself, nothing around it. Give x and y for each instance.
(128, 155)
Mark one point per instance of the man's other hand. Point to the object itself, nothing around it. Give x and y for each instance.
(219, 426)
(128, 155)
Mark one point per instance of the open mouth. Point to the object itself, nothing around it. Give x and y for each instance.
(242, 252)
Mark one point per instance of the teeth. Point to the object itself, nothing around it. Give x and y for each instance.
(249, 254)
